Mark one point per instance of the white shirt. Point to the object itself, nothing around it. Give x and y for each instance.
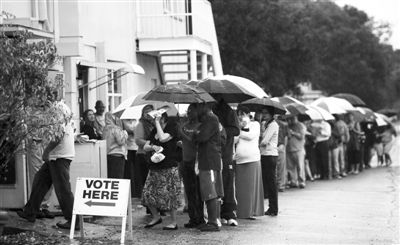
(247, 147)
(269, 140)
(66, 147)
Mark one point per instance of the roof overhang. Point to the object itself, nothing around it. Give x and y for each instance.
(125, 67)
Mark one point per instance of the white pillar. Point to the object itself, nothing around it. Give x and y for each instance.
(193, 65)
(204, 66)
(71, 88)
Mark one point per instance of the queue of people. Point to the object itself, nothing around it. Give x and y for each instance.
(229, 161)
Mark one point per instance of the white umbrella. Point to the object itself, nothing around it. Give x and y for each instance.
(324, 113)
(381, 120)
(138, 100)
(332, 105)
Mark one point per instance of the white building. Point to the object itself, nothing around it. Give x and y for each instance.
(106, 45)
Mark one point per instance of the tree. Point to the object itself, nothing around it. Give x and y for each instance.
(28, 108)
(280, 43)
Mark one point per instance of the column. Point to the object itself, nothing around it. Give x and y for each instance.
(204, 72)
(193, 65)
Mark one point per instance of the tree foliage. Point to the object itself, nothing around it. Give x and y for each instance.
(28, 107)
(279, 43)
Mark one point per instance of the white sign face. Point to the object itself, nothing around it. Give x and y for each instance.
(103, 197)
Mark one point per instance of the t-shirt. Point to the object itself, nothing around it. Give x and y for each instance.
(295, 143)
(66, 147)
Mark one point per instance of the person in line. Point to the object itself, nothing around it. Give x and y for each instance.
(338, 136)
(115, 138)
(141, 135)
(129, 126)
(296, 152)
(354, 144)
(57, 157)
(34, 159)
(190, 178)
(228, 119)
(100, 121)
(321, 130)
(269, 155)
(249, 187)
(88, 128)
(208, 138)
(162, 189)
(388, 135)
(282, 161)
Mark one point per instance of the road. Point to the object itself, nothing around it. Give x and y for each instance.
(358, 209)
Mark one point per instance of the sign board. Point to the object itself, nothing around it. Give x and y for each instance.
(102, 197)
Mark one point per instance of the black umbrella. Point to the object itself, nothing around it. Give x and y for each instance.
(257, 104)
(179, 93)
(353, 99)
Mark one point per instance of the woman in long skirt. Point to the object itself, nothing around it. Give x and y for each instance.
(249, 186)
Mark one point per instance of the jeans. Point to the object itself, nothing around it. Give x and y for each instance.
(229, 204)
(322, 157)
(338, 163)
(192, 191)
(281, 168)
(128, 171)
(52, 173)
(140, 171)
(115, 166)
(268, 169)
(295, 162)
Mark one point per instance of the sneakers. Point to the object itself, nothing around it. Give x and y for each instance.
(232, 222)
(30, 218)
(302, 186)
(67, 225)
(209, 227)
(224, 221)
(219, 223)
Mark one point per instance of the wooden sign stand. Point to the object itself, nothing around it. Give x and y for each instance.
(123, 216)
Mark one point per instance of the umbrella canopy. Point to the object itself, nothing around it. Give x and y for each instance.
(137, 100)
(389, 112)
(179, 93)
(351, 98)
(381, 120)
(298, 110)
(257, 104)
(285, 100)
(324, 114)
(232, 89)
(333, 105)
(368, 114)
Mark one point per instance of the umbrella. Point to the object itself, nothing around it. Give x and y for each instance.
(324, 114)
(369, 115)
(179, 93)
(389, 112)
(232, 89)
(351, 98)
(284, 100)
(137, 100)
(257, 104)
(381, 120)
(333, 105)
(298, 110)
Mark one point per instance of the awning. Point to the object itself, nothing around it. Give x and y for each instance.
(125, 67)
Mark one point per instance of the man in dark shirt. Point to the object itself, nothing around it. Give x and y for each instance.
(208, 138)
(229, 120)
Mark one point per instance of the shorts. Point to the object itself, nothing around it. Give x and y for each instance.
(210, 184)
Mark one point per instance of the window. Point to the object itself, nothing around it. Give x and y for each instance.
(114, 92)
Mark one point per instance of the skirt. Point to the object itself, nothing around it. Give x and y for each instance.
(249, 190)
(162, 189)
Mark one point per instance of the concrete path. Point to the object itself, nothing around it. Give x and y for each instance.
(358, 209)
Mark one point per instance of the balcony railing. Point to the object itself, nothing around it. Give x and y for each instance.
(198, 23)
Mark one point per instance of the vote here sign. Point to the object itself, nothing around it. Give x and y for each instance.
(103, 197)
